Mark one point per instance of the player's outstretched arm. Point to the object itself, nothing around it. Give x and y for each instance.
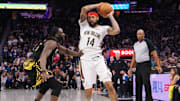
(85, 9)
(67, 51)
(114, 30)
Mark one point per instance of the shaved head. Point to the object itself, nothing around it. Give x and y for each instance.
(140, 34)
(140, 31)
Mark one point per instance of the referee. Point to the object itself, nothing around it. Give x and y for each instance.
(142, 59)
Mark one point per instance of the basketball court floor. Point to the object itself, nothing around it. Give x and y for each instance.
(29, 95)
(66, 95)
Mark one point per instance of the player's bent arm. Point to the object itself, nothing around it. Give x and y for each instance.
(48, 48)
(67, 51)
(85, 9)
(114, 30)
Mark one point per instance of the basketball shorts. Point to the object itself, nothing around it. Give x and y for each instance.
(89, 70)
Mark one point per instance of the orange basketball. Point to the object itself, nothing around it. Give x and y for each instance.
(105, 9)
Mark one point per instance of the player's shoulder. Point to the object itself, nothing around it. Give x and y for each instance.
(135, 43)
(104, 26)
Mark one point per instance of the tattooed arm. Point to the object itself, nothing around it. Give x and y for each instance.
(85, 9)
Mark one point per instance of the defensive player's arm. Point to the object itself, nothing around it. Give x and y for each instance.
(48, 48)
(67, 51)
(85, 9)
(114, 30)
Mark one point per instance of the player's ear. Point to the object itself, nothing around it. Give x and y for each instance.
(97, 18)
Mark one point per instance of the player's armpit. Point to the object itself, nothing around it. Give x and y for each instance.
(112, 31)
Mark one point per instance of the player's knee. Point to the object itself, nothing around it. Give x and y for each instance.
(56, 91)
(109, 86)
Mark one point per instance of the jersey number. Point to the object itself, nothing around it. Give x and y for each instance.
(91, 42)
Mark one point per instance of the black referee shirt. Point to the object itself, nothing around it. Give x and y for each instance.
(142, 50)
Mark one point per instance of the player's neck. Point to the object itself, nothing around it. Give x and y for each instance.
(95, 26)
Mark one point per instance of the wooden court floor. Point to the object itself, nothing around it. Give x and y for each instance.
(29, 95)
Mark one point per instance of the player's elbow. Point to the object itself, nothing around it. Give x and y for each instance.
(84, 9)
(117, 31)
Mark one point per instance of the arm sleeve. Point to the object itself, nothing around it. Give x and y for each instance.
(150, 45)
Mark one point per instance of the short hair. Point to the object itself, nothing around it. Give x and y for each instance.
(54, 30)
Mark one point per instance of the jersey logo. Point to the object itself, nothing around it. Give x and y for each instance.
(92, 33)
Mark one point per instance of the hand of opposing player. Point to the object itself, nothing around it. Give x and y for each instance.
(45, 77)
(80, 53)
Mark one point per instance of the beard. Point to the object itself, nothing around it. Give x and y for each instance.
(92, 25)
(60, 39)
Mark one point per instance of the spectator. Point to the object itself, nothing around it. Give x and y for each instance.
(118, 66)
(9, 81)
(57, 71)
(21, 79)
(3, 80)
(175, 81)
(62, 68)
(56, 58)
(124, 86)
(71, 78)
(110, 65)
(64, 81)
(29, 53)
(78, 77)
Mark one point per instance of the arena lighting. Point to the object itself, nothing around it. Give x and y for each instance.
(23, 6)
(120, 6)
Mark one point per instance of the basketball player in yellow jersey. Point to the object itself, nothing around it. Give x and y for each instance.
(92, 62)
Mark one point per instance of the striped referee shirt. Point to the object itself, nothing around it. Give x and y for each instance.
(142, 50)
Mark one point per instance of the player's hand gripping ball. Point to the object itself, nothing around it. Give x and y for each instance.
(105, 9)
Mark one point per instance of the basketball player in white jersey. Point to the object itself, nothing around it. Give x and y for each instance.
(92, 62)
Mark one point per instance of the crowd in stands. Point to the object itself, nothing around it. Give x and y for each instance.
(26, 33)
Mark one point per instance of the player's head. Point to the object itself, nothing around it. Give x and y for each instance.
(57, 32)
(93, 18)
(140, 34)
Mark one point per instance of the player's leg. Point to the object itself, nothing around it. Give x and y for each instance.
(42, 91)
(88, 94)
(88, 74)
(56, 88)
(105, 76)
(39, 97)
(111, 90)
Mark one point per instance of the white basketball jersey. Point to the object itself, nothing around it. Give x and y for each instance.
(91, 38)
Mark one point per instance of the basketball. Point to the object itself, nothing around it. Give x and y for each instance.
(105, 9)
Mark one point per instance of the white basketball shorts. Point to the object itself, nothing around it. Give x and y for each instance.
(93, 67)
